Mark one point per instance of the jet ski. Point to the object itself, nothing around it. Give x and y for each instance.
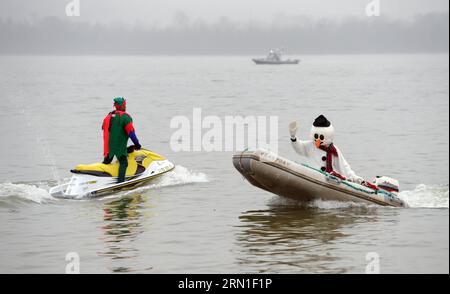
(99, 179)
(268, 171)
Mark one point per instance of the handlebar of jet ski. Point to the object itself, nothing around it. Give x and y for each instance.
(131, 148)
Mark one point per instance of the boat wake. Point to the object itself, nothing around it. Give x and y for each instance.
(318, 204)
(180, 175)
(423, 196)
(37, 192)
(25, 192)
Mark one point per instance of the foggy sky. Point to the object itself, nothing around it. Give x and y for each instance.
(223, 27)
(161, 12)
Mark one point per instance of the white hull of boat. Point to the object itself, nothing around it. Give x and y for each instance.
(286, 178)
(266, 61)
(94, 186)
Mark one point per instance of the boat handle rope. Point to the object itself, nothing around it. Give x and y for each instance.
(339, 181)
(373, 192)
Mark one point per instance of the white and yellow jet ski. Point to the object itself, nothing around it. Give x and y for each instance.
(99, 179)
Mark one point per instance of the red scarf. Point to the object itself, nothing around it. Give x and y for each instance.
(330, 150)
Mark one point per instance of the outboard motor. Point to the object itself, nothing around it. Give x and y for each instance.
(387, 183)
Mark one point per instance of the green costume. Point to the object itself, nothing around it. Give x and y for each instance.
(118, 135)
(117, 127)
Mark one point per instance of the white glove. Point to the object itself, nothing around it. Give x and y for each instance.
(293, 127)
(358, 180)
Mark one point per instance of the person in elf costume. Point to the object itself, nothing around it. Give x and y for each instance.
(117, 128)
(320, 152)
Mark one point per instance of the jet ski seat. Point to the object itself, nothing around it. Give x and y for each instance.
(109, 170)
(106, 170)
(138, 161)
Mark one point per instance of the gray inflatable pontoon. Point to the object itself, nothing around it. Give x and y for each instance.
(301, 182)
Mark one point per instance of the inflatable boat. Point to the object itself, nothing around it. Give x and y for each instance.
(275, 174)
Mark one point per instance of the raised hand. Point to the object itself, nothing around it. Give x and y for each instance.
(293, 128)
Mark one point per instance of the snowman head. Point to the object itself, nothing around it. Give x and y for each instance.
(322, 132)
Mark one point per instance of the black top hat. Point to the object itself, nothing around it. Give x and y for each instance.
(321, 122)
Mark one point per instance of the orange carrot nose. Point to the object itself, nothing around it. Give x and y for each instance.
(317, 143)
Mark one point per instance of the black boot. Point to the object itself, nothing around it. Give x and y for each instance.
(122, 168)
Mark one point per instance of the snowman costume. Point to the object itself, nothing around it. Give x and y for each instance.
(320, 152)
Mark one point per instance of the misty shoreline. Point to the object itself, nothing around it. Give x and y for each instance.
(428, 33)
(248, 56)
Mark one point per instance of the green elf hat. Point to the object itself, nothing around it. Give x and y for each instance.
(119, 102)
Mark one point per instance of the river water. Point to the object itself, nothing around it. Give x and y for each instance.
(390, 113)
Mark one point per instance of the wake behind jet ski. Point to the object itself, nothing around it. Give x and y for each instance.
(99, 179)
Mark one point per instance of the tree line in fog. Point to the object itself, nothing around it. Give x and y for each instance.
(425, 33)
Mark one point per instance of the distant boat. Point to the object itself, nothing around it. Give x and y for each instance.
(274, 57)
